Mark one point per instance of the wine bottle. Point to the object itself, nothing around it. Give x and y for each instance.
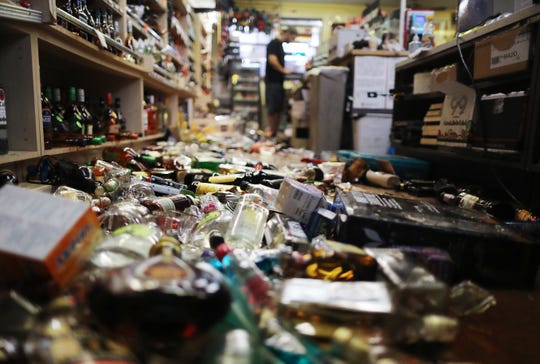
(3, 122)
(499, 209)
(152, 112)
(121, 120)
(73, 114)
(177, 202)
(87, 118)
(110, 117)
(60, 126)
(46, 116)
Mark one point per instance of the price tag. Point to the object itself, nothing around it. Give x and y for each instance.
(457, 113)
(102, 40)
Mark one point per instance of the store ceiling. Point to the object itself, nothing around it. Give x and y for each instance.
(415, 4)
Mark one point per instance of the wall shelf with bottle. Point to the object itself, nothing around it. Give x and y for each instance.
(73, 55)
(485, 85)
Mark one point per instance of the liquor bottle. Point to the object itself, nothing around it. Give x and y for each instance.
(498, 209)
(152, 112)
(59, 124)
(86, 117)
(84, 14)
(60, 336)
(160, 302)
(46, 116)
(3, 122)
(163, 113)
(246, 229)
(110, 117)
(73, 114)
(129, 42)
(177, 202)
(121, 120)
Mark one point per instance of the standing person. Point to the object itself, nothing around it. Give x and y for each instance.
(275, 75)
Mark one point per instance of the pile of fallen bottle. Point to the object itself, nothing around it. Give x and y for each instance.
(209, 258)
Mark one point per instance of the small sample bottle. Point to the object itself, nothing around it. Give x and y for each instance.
(246, 228)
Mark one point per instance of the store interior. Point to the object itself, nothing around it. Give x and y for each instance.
(149, 213)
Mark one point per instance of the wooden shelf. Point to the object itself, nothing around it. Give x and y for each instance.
(15, 12)
(119, 143)
(17, 156)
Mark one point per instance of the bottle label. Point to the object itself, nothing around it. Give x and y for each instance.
(46, 116)
(165, 203)
(203, 188)
(224, 178)
(3, 114)
(468, 201)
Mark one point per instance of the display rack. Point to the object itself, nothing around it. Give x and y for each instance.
(36, 52)
(245, 92)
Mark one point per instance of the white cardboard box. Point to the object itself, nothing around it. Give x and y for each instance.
(372, 133)
(373, 79)
(341, 40)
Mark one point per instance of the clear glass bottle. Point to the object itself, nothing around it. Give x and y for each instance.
(59, 336)
(46, 116)
(246, 228)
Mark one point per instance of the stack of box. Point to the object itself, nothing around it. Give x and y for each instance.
(431, 123)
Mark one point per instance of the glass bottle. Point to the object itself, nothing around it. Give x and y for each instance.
(46, 116)
(110, 119)
(152, 112)
(87, 117)
(499, 209)
(3, 122)
(168, 203)
(120, 115)
(129, 42)
(60, 336)
(160, 302)
(246, 228)
(163, 113)
(59, 123)
(73, 114)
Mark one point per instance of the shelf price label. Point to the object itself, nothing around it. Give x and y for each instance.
(102, 40)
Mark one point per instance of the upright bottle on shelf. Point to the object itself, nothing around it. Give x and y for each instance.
(152, 112)
(87, 118)
(3, 122)
(46, 116)
(60, 126)
(120, 115)
(163, 113)
(73, 114)
(111, 118)
(129, 42)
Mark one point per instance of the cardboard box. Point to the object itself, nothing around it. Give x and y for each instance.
(341, 40)
(501, 121)
(371, 133)
(298, 200)
(373, 79)
(43, 238)
(503, 53)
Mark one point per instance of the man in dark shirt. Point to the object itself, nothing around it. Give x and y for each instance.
(275, 75)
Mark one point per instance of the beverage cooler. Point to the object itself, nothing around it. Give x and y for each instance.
(326, 106)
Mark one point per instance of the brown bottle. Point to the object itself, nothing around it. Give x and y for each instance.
(168, 203)
(160, 302)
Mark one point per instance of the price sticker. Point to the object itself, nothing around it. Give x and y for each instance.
(102, 40)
